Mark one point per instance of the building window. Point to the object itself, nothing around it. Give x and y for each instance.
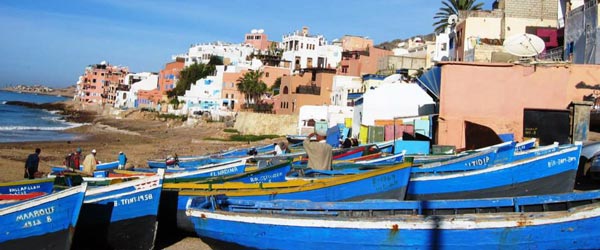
(257, 37)
(94, 80)
(344, 69)
(267, 74)
(443, 46)
(231, 96)
(285, 90)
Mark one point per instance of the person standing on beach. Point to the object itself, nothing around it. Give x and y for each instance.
(32, 163)
(122, 160)
(90, 162)
(76, 159)
(319, 152)
(280, 148)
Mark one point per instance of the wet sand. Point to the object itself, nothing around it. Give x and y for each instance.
(140, 135)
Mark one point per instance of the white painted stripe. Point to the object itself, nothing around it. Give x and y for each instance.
(409, 222)
(150, 179)
(493, 168)
(147, 188)
(455, 160)
(43, 199)
(538, 149)
(382, 159)
(205, 170)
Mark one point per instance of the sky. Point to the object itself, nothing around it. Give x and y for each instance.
(51, 42)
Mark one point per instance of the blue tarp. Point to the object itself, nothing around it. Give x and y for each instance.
(333, 136)
(431, 80)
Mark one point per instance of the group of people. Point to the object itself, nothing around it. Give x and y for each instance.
(72, 161)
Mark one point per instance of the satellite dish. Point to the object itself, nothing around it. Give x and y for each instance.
(260, 31)
(253, 31)
(452, 19)
(524, 45)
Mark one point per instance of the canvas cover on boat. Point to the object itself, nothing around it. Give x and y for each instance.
(431, 80)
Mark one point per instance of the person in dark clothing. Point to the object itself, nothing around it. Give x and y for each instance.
(32, 163)
(347, 143)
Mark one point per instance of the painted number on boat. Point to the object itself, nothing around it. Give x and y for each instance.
(383, 183)
(560, 161)
(134, 199)
(478, 162)
(24, 189)
(224, 171)
(265, 178)
(35, 217)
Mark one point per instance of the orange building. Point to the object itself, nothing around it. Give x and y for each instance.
(99, 83)
(496, 94)
(312, 87)
(167, 80)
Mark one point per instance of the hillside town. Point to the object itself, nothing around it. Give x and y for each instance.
(423, 83)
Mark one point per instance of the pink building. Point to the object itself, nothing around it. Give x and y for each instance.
(495, 95)
(99, 83)
(258, 39)
(234, 97)
(359, 56)
(167, 80)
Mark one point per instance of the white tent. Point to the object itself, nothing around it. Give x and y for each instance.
(391, 100)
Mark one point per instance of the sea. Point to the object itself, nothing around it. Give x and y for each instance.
(22, 124)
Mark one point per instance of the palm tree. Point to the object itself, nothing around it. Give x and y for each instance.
(452, 7)
(251, 85)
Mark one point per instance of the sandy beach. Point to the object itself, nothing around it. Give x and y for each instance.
(140, 135)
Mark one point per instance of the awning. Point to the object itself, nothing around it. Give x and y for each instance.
(431, 80)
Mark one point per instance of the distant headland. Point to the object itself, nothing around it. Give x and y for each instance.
(42, 90)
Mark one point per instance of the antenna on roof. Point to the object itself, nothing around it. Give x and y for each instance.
(524, 45)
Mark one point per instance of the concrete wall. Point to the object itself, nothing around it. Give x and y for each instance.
(495, 95)
(262, 124)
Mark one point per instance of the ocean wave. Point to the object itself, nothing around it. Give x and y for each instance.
(65, 126)
(3, 102)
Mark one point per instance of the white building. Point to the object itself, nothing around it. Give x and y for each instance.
(332, 114)
(135, 81)
(342, 85)
(308, 51)
(445, 45)
(232, 54)
(391, 100)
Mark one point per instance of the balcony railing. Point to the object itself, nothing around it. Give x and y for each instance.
(554, 54)
(308, 89)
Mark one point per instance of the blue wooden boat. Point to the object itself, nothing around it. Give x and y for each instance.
(191, 162)
(197, 161)
(387, 182)
(222, 169)
(120, 216)
(46, 222)
(548, 173)
(558, 221)
(273, 173)
(100, 167)
(27, 186)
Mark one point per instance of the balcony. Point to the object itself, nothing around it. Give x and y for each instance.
(308, 89)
